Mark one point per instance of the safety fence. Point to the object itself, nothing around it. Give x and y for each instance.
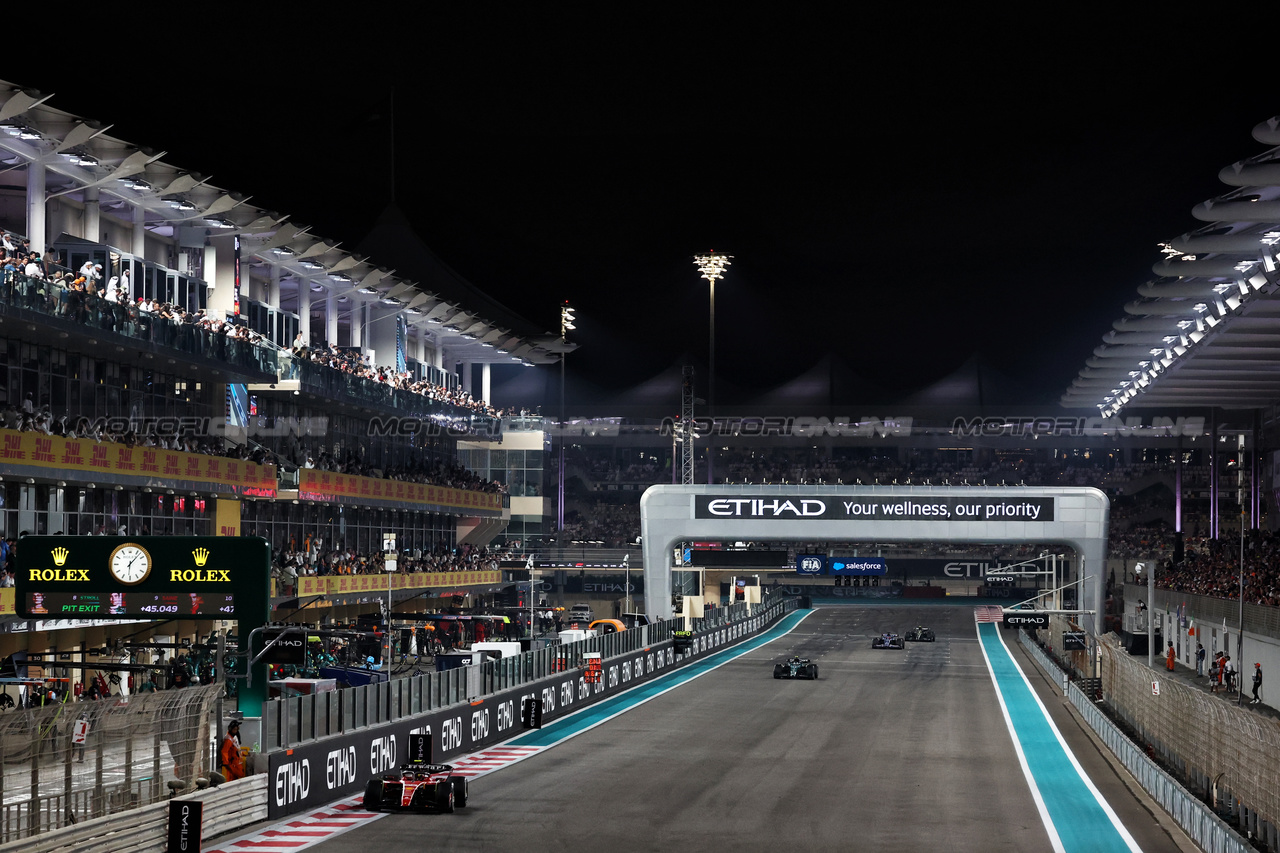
(224, 809)
(299, 719)
(1207, 609)
(62, 764)
(1198, 819)
(1228, 753)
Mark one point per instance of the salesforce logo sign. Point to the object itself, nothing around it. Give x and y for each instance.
(810, 564)
(855, 566)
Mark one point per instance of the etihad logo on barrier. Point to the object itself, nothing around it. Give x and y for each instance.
(201, 555)
(59, 555)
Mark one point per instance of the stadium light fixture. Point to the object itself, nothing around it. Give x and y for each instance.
(711, 266)
(566, 326)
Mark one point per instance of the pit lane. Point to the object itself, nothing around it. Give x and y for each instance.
(890, 750)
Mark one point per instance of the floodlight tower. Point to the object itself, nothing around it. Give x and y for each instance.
(566, 326)
(712, 267)
(686, 425)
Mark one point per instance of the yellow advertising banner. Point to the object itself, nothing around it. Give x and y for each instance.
(7, 607)
(329, 486)
(347, 584)
(106, 458)
(227, 517)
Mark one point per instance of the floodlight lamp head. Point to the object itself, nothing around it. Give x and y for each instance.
(712, 265)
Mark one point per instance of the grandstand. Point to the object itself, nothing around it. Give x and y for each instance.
(181, 362)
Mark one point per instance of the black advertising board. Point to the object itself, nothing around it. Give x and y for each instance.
(184, 825)
(313, 774)
(1025, 619)
(1074, 641)
(288, 649)
(419, 749)
(723, 558)
(879, 508)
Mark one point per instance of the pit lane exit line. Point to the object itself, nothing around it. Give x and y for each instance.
(1076, 816)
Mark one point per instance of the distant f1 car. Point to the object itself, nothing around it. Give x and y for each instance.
(887, 640)
(796, 667)
(920, 634)
(420, 787)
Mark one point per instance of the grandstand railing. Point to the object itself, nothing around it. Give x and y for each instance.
(297, 719)
(325, 381)
(1258, 618)
(592, 555)
(65, 763)
(101, 318)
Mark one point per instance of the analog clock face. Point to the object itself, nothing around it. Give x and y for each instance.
(130, 564)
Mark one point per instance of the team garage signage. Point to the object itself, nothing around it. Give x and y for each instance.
(307, 777)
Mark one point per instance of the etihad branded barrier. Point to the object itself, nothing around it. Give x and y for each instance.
(309, 776)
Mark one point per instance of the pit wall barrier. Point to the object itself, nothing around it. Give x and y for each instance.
(310, 774)
(1201, 824)
(145, 830)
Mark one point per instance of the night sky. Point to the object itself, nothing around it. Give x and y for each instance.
(902, 194)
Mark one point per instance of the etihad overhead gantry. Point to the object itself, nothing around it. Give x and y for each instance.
(1074, 517)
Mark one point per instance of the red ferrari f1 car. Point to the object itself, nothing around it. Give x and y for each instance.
(421, 787)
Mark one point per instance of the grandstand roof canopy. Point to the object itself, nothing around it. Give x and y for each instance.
(1206, 330)
(130, 180)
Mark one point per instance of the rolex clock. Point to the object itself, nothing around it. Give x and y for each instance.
(130, 564)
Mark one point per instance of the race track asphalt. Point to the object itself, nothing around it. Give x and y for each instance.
(888, 751)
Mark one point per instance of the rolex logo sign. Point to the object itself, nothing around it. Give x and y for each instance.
(201, 555)
(59, 556)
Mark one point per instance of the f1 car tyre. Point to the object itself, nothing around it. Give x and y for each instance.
(445, 799)
(373, 795)
(777, 670)
(813, 671)
(459, 791)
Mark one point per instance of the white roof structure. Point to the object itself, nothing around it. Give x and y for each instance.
(1206, 331)
(133, 183)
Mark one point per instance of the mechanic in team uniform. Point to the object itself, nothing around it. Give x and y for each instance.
(232, 760)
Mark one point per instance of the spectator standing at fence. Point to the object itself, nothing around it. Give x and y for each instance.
(1199, 659)
(230, 757)
(1169, 657)
(1215, 672)
(1257, 684)
(1229, 672)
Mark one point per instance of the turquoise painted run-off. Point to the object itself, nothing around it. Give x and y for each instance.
(567, 727)
(1081, 822)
